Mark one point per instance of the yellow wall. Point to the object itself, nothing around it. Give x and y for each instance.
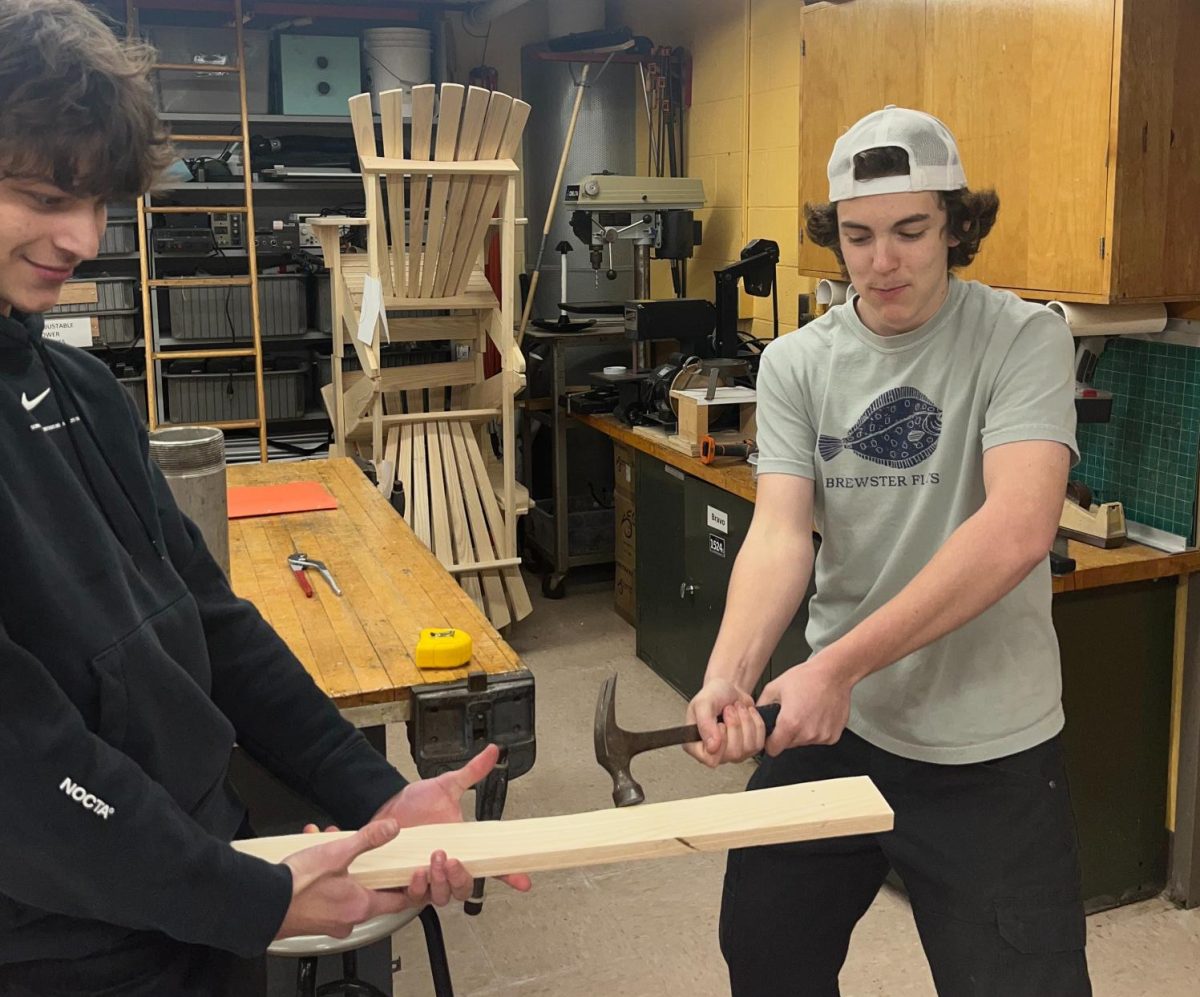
(742, 131)
(773, 158)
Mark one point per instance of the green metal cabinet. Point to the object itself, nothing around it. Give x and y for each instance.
(715, 524)
(664, 637)
(1116, 647)
(689, 535)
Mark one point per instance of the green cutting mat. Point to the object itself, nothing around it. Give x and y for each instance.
(1146, 456)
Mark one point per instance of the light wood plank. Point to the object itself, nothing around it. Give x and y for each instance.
(513, 582)
(79, 292)
(439, 168)
(443, 545)
(499, 109)
(467, 150)
(391, 457)
(464, 552)
(508, 442)
(428, 375)
(803, 812)
(404, 470)
(496, 605)
(420, 477)
(510, 142)
(449, 114)
(425, 330)
(422, 134)
(391, 108)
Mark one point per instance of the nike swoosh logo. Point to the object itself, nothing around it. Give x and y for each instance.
(29, 404)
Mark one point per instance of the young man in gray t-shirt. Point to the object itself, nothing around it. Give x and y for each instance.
(924, 429)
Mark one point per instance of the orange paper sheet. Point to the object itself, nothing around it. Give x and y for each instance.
(272, 500)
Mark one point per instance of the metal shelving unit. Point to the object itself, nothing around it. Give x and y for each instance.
(151, 283)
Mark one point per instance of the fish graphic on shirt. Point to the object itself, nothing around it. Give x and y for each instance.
(899, 429)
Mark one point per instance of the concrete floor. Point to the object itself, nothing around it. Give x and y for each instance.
(649, 929)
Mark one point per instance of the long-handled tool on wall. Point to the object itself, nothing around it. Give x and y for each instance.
(562, 168)
(598, 43)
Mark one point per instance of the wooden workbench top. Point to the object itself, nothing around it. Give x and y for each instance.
(358, 648)
(1094, 566)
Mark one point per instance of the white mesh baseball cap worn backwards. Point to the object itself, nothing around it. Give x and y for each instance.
(933, 159)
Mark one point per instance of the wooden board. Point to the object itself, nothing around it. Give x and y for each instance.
(449, 115)
(468, 149)
(79, 292)
(510, 142)
(450, 278)
(464, 551)
(496, 605)
(391, 107)
(833, 808)
(514, 584)
(422, 134)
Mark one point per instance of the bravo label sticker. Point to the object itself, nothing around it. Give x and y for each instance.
(718, 520)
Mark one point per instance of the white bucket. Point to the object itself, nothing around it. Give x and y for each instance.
(397, 59)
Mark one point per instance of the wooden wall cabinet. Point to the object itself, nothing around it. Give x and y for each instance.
(1084, 115)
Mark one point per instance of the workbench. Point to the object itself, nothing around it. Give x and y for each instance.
(1131, 674)
(358, 648)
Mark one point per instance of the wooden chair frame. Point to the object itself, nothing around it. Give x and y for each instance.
(428, 214)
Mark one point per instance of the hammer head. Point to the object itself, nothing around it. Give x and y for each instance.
(614, 751)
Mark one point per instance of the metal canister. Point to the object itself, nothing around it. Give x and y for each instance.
(192, 459)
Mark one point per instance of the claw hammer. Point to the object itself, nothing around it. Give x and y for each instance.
(615, 747)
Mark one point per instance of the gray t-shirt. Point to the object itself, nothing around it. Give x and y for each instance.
(892, 430)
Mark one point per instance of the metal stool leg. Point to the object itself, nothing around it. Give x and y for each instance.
(350, 985)
(436, 946)
(306, 978)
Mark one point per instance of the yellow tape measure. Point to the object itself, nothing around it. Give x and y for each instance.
(444, 648)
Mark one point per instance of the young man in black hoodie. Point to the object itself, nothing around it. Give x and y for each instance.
(128, 668)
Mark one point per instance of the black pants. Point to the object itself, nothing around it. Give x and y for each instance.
(148, 966)
(988, 856)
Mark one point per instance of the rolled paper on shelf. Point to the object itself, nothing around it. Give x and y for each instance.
(832, 292)
(1111, 320)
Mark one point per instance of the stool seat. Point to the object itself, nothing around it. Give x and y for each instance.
(306, 946)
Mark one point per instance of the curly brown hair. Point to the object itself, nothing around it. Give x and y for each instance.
(970, 214)
(77, 107)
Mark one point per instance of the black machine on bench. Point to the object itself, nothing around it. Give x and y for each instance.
(711, 350)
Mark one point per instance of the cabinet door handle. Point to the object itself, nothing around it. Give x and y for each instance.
(688, 589)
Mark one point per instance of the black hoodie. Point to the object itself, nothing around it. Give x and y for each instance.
(128, 668)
